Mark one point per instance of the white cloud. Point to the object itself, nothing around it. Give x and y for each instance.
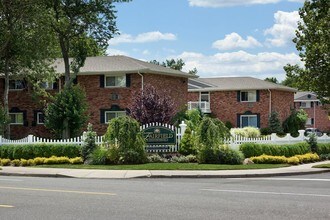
(231, 3)
(283, 31)
(142, 38)
(234, 41)
(240, 63)
(112, 52)
(228, 3)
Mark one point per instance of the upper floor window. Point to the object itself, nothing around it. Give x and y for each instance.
(305, 104)
(16, 84)
(249, 96)
(205, 97)
(115, 81)
(16, 118)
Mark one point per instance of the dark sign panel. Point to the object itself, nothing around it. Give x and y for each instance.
(158, 135)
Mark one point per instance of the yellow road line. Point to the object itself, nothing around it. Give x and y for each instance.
(6, 206)
(58, 190)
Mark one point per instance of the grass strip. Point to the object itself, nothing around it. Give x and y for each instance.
(327, 165)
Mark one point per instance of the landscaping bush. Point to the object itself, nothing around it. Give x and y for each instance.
(187, 144)
(265, 131)
(5, 162)
(323, 148)
(99, 156)
(155, 158)
(312, 141)
(227, 155)
(324, 156)
(248, 132)
(76, 160)
(288, 150)
(89, 142)
(124, 138)
(268, 159)
(31, 151)
(40, 161)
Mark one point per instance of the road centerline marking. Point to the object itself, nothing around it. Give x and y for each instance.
(6, 206)
(58, 190)
(265, 192)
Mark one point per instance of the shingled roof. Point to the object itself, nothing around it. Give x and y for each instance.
(120, 64)
(233, 83)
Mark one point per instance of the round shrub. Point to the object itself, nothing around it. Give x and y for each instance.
(230, 156)
(99, 156)
(5, 162)
(125, 139)
(247, 132)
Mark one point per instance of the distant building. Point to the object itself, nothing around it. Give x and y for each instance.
(242, 101)
(317, 113)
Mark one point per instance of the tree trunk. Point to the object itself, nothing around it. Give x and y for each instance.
(5, 100)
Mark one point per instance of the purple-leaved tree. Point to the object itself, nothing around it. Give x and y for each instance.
(152, 105)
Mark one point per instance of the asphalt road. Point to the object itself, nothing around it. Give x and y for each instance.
(295, 197)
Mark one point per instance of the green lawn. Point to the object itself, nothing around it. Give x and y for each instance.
(322, 166)
(168, 166)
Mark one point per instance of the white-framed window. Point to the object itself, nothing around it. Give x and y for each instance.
(305, 105)
(249, 121)
(310, 121)
(16, 84)
(204, 97)
(249, 96)
(115, 81)
(16, 118)
(47, 85)
(40, 118)
(108, 115)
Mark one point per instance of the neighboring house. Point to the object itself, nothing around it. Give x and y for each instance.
(317, 113)
(242, 101)
(110, 83)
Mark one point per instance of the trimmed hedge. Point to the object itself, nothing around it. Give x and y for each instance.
(267, 159)
(323, 148)
(40, 161)
(31, 151)
(288, 150)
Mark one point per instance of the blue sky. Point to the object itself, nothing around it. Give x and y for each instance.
(218, 37)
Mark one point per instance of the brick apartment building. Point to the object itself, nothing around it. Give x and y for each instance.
(242, 101)
(317, 113)
(109, 82)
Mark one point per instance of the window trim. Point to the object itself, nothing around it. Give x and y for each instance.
(38, 117)
(249, 91)
(116, 86)
(308, 105)
(249, 116)
(116, 112)
(15, 89)
(16, 113)
(50, 85)
(204, 93)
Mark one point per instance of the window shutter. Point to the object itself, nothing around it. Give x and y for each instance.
(55, 85)
(128, 80)
(238, 120)
(312, 121)
(102, 81)
(102, 116)
(312, 104)
(238, 96)
(258, 95)
(25, 122)
(258, 120)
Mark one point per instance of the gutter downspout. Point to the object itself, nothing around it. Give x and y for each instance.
(270, 102)
(314, 122)
(142, 81)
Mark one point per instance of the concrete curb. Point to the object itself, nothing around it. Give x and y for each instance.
(188, 176)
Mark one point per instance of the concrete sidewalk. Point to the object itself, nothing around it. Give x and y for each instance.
(124, 174)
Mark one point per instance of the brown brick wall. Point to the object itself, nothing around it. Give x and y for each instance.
(98, 98)
(321, 119)
(224, 105)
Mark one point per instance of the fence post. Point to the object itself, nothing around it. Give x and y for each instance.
(0, 140)
(183, 127)
(301, 134)
(30, 138)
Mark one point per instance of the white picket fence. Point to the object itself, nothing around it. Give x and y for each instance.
(233, 142)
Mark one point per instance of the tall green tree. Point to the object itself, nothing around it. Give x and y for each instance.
(69, 104)
(80, 25)
(312, 41)
(271, 79)
(22, 27)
